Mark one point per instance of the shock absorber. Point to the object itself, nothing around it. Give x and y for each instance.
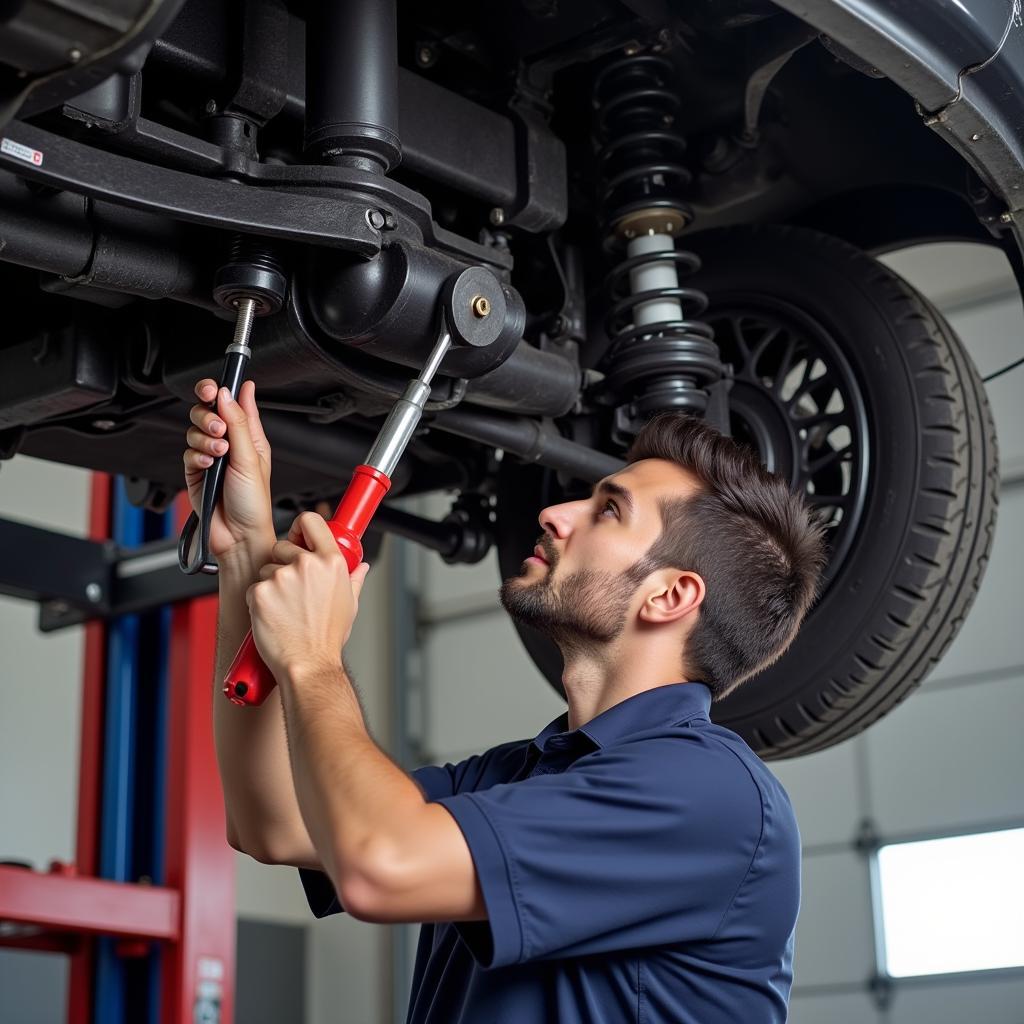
(250, 284)
(661, 355)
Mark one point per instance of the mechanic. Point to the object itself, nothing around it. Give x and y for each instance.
(633, 861)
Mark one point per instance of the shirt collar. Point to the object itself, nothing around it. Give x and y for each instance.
(660, 705)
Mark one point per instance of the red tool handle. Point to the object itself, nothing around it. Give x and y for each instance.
(249, 681)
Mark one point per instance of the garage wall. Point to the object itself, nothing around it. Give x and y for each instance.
(948, 760)
(335, 962)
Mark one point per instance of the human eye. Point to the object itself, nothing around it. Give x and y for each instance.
(609, 503)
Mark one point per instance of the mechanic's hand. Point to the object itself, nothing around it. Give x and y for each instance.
(243, 519)
(306, 602)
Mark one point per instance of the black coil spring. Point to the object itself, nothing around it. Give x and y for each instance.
(665, 363)
(640, 153)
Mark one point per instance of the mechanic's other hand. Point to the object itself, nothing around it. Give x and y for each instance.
(306, 602)
(243, 519)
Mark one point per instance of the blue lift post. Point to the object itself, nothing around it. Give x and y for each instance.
(134, 778)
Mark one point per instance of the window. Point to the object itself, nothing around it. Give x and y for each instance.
(953, 904)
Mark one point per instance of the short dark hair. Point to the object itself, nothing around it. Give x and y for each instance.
(757, 544)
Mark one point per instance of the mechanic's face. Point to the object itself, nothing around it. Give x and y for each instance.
(580, 594)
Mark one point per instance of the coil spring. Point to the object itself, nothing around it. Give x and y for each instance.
(661, 354)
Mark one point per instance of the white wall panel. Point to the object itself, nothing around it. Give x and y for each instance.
(950, 273)
(991, 636)
(40, 681)
(269, 892)
(833, 1009)
(346, 979)
(833, 934)
(949, 758)
(994, 335)
(823, 790)
(956, 1000)
(484, 690)
(458, 589)
(45, 494)
(991, 331)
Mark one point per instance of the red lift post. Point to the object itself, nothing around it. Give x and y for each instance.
(193, 915)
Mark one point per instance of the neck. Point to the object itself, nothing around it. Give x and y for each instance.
(595, 681)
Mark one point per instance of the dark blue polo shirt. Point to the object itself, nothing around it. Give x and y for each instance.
(644, 867)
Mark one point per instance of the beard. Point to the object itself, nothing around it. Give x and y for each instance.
(584, 612)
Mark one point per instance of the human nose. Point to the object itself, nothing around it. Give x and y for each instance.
(557, 519)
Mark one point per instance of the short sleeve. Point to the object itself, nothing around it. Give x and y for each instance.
(641, 844)
(435, 781)
(475, 772)
(320, 894)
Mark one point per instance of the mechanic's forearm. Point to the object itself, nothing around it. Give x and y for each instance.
(357, 804)
(252, 753)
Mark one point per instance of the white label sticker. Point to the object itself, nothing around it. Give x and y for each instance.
(20, 152)
(211, 967)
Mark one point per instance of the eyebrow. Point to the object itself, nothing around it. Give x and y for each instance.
(610, 487)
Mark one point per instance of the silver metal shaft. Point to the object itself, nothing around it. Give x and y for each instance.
(398, 428)
(243, 328)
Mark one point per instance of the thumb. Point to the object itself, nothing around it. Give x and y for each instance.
(358, 577)
(247, 400)
(242, 450)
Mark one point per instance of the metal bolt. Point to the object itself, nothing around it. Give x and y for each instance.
(497, 216)
(375, 219)
(425, 56)
(74, 55)
(93, 591)
(211, 106)
(104, 424)
(481, 306)
(975, 137)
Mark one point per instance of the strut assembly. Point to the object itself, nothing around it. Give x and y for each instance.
(662, 355)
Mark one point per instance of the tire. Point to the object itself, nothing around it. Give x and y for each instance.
(910, 549)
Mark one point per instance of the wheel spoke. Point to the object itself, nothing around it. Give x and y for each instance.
(759, 348)
(839, 500)
(836, 419)
(824, 461)
(741, 341)
(785, 363)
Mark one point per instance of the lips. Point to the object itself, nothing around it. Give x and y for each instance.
(538, 552)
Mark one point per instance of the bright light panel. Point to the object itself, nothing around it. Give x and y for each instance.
(954, 904)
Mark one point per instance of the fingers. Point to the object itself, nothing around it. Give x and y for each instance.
(196, 462)
(311, 530)
(203, 443)
(205, 438)
(268, 570)
(206, 389)
(207, 420)
(284, 552)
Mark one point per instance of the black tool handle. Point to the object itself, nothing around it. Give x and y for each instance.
(236, 359)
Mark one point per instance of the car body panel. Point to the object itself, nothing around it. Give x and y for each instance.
(962, 61)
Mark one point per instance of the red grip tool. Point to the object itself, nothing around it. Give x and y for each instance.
(249, 681)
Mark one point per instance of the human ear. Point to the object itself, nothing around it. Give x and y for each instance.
(681, 593)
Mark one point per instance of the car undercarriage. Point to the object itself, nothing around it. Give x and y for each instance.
(666, 205)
